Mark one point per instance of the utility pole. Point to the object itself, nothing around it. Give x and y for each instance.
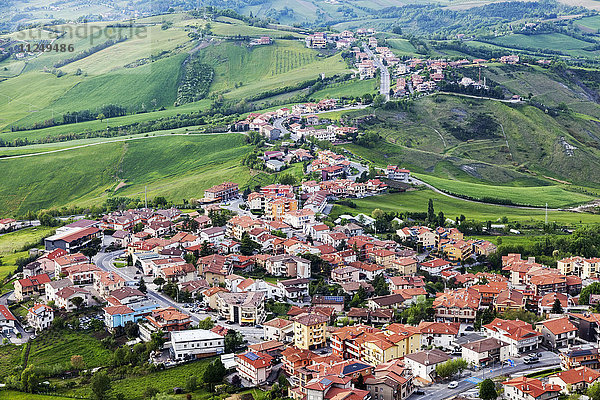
(145, 196)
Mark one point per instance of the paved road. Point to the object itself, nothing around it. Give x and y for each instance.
(384, 87)
(441, 391)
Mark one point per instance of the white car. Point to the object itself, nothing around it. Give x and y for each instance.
(453, 385)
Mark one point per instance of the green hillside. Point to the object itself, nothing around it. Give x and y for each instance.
(174, 166)
(146, 87)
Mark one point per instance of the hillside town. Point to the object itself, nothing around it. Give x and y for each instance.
(335, 308)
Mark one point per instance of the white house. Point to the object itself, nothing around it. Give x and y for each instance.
(519, 335)
(40, 317)
(423, 363)
(196, 343)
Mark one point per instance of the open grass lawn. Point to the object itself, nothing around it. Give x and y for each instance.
(555, 196)
(173, 166)
(152, 42)
(164, 381)
(57, 348)
(402, 46)
(416, 201)
(515, 240)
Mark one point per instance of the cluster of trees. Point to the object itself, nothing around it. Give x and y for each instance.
(195, 82)
(450, 368)
(496, 92)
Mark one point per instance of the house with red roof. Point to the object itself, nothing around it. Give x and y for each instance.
(524, 388)
(575, 380)
(459, 305)
(32, 286)
(436, 266)
(7, 319)
(519, 335)
(254, 366)
(40, 317)
(557, 332)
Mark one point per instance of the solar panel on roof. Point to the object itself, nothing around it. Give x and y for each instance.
(334, 298)
(251, 356)
(325, 381)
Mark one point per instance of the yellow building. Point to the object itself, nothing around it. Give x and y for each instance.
(278, 207)
(390, 344)
(406, 265)
(458, 250)
(309, 330)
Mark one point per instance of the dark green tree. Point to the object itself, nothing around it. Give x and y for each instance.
(557, 307)
(487, 390)
(100, 386)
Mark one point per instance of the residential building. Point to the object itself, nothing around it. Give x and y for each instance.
(574, 380)
(390, 381)
(242, 308)
(573, 357)
(309, 330)
(72, 239)
(40, 317)
(32, 286)
(523, 388)
(458, 305)
(423, 363)
(557, 332)
(223, 192)
(285, 265)
(65, 298)
(254, 366)
(279, 329)
(519, 335)
(438, 334)
(484, 351)
(7, 319)
(167, 320)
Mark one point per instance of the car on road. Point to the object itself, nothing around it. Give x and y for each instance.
(531, 360)
(539, 354)
(453, 385)
(419, 392)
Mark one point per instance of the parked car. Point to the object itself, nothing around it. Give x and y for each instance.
(453, 385)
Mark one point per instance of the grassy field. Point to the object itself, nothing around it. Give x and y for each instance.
(57, 348)
(402, 47)
(416, 201)
(591, 23)
(148, 86)
(29, 93)
(351, 88)
(10, 357)
(13, 395)
(12, 243)
(173, 166)
(284, 63)
(95, 125)
(555, 196)
(550, 41)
